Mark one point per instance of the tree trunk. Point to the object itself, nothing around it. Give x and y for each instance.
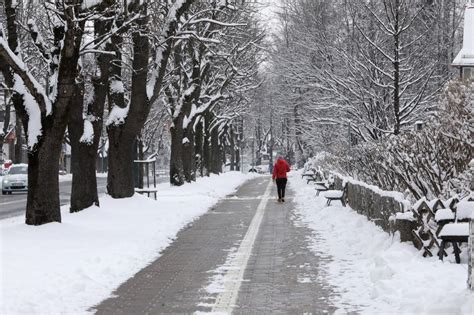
(120, 183)
(18, 158)
(140, 166)
(84, 182)
(198, 136)
(237, 159)
(232, 149)
(176, 159)
(206, 147)
(216, 152)
(140, 101)
(84, 155)
(43, 160)
(396, 73)
(239, 145)
(83, 158)
(258, 137)
(6, 123)
(189, 158)
(223, 148)
(299, 153)
(43, 183)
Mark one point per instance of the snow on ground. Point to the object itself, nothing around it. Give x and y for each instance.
(69, 267)
(65, 178)
(68, 177)
(371, 271)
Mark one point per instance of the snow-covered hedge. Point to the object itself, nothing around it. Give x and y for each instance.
(432, 162)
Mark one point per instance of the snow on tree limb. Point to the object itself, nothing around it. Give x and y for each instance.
(163, 51)
(32, 86)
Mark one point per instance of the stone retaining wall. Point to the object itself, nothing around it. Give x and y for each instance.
(382, 209)
(376, 207)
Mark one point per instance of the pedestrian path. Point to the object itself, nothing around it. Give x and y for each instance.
(252, 241)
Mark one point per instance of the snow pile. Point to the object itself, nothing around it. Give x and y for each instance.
(69, 267)
(371, 271)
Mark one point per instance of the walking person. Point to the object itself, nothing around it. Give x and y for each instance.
(280, 169)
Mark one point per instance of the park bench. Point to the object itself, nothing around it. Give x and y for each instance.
(340, 195)
(443, 217)
(456, 231)
(309, 173)
(311, 177)
(148, 191)
(453, 233)
(322, 186)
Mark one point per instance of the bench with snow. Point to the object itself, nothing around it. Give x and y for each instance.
(453, 233)
(340, 195)
(313, 178)
(148, 191)
(443, 217)
(322, 186)
(309, 173)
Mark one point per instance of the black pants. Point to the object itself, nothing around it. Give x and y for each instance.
(281, 185)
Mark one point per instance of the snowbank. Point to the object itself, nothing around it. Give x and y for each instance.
(371, 271)
(69, 267)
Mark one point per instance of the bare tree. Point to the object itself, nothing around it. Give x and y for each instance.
(44, 114)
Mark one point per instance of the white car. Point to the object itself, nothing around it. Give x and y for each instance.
(16, 179)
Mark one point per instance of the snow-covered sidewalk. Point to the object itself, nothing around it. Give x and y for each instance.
(69, 267)
(373, 272)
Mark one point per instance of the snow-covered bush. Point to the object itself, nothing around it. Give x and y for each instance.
(432, 162)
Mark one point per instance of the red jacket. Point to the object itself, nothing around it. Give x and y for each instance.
(280, 168)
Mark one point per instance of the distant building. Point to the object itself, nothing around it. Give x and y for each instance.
(465, 58)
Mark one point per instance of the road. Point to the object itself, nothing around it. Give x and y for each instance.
(15, 204)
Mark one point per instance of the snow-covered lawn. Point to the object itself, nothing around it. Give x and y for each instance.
(68, 177)
(371, 271)
(67, 268)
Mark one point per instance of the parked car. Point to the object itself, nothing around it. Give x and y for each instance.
(16, 179)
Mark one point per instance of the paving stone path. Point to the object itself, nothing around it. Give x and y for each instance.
(280, 274)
